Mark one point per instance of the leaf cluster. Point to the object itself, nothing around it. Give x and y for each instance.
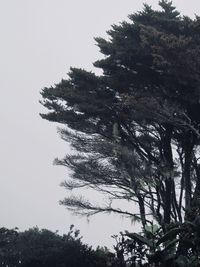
(35, 247)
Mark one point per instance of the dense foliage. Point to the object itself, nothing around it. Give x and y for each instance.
(43, 248)
(136, 127)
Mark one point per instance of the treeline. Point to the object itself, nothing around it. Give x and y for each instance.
(43, 248)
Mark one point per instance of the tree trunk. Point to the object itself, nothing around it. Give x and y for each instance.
(187, 172)
(168, 162)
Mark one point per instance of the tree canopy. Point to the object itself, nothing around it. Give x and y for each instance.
(43, 248)
(136, 127)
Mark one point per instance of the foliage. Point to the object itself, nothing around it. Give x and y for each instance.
(128, 123)
(8, 254)
(44, 248)
(179, 246)
(136, 127)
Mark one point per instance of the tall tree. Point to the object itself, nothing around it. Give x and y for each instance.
(136, 127)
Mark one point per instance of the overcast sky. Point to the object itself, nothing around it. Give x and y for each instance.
(40, 40)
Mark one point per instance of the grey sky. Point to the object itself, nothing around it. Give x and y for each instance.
(40, 40)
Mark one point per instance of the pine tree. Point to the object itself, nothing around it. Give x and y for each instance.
(136, 127)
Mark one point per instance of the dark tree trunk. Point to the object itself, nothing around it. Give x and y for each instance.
(142, 210)
(188, 147)
(196, 195)
(168, 165)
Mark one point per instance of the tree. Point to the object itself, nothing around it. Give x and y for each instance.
(136, 127)
(43, 248)
(8, 255)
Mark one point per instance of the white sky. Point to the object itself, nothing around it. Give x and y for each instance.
(40, 40)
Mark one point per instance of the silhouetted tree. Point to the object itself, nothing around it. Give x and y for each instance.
(136, 127)
(43, 248)
(8, 254)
